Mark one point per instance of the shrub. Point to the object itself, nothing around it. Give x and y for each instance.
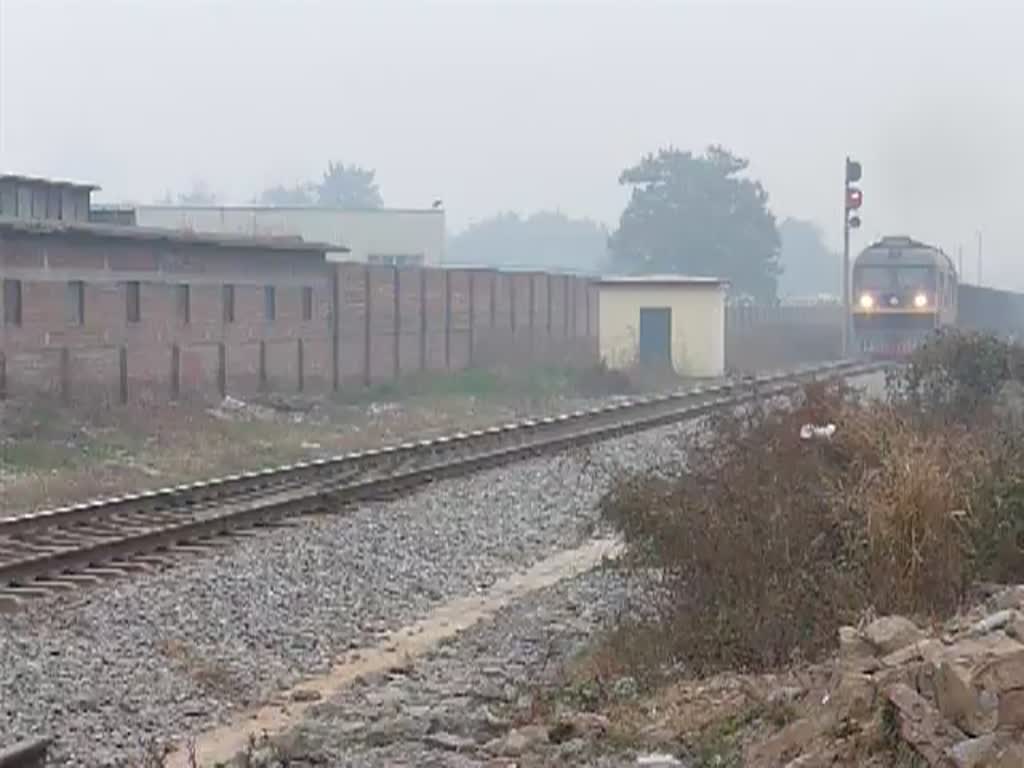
(762, 544)
(766, 543)
(741, 544)
(956, 374)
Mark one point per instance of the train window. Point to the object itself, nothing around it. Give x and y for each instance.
(895, 278)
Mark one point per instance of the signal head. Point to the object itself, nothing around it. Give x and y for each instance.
(853, 171)
(854, 199)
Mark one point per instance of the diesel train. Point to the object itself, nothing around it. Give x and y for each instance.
(904, 290)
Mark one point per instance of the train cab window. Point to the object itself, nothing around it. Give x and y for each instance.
(896, 278)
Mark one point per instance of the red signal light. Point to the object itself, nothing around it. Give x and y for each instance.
(854, 199)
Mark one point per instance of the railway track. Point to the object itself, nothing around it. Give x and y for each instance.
(26, 754)
(65, 547)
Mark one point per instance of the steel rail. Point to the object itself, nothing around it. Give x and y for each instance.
(78, 537)
(216, 489)
(25, 754)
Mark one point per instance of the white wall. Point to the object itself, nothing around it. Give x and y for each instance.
(698, 325)
(367, 233)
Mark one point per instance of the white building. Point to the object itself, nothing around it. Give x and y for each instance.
(377, 236)
(656, 320)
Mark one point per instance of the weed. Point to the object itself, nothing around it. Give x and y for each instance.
(752, 554)
(955, 374)
(720, 745)
(898, 752)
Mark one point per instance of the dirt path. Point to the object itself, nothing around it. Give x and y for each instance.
(223, 744)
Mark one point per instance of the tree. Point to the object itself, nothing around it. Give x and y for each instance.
(300, 194)
(697, 215)
(547, 239)
(199, 195)
(809, 267)
(348, 187)
(340, 186)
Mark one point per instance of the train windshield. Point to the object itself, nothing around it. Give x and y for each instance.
(897, 279)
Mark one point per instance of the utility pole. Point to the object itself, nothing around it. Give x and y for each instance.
(979, 257)
(852, 200)
(960, 261)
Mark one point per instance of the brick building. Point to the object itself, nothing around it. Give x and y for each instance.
(114, 313)
(96, 312)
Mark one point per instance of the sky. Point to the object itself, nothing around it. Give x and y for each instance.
(526, 105)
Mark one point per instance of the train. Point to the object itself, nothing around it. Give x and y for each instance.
(904, 290)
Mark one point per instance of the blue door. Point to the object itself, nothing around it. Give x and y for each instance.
(655, 347)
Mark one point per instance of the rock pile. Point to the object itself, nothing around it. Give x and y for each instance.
(953, 696)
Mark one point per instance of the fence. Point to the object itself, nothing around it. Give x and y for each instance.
(763, 338)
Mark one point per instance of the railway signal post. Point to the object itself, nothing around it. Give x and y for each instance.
(852, 200)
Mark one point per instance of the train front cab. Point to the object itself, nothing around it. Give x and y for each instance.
(890, 335)
(898, 305)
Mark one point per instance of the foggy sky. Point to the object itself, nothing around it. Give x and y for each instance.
(528, 105)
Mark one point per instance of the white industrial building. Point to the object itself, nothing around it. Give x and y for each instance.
(395, 236)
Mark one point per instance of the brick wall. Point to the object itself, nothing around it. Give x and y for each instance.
(75, 336)
(459, 318)
(435, 311)
(764, 338)
(214, 320)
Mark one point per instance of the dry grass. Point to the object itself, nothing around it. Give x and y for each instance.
(743, 562)
(955, 375)
(51, 454)
(751, 556)
(67, 456)
(213, 676)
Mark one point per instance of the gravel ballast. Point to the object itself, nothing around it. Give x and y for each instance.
(107, 670)
(458, 706)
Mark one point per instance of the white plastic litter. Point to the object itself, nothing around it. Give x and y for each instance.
(812, 431)
(658, 761)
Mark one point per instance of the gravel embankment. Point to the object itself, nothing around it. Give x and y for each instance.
(457, 706)
(156, 657)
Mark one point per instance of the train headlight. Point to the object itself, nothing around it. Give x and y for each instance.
(921, 301)
(867, 301)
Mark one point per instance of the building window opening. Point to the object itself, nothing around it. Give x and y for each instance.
(76, 303)
(270, 303)
(229, 303)
(184, 303)
(307, 304)
(133, 301)
(12, 302)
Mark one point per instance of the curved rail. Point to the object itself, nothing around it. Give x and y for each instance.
(68, 539)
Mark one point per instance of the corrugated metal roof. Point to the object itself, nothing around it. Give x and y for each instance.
(321, 208)
(37, 227)
(647, 280)
(539, 269)
(17, 177)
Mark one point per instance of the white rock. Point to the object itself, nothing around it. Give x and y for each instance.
(890, 633)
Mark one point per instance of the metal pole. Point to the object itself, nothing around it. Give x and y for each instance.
(960, 260)
(979, 257)
(846, 266)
